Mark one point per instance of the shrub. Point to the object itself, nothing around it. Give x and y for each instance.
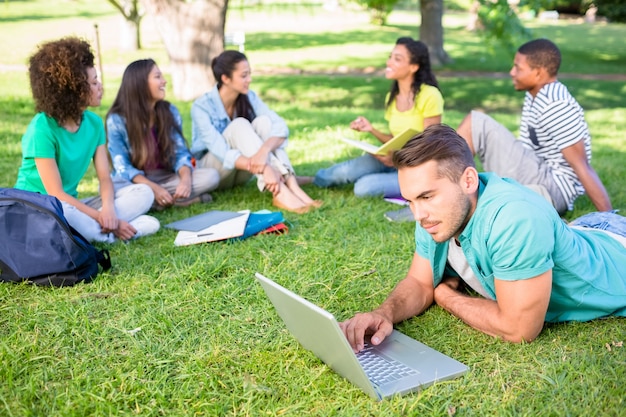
(614, 10)
(378, 9)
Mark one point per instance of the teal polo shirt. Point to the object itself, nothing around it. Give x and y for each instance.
(516, 234)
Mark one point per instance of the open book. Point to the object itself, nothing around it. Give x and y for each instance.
(392, 144)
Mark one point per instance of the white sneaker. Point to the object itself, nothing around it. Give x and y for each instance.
(145, 225)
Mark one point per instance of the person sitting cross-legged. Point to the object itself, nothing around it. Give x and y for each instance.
(236, 133)
(64, 138)
(146, 141)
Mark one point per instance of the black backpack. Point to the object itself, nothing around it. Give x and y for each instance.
(38, 245)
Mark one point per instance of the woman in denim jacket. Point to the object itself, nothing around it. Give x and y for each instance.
(146, 142)
(236, 133)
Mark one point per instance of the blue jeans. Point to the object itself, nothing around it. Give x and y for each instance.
(603, 220)
(369, 176)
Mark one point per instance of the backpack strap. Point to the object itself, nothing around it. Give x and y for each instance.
(104, 259)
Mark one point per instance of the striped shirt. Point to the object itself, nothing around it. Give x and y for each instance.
(551, 122)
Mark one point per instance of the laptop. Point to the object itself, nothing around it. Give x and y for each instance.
(204, 220)
(398, 366)
(226, 229)
(393, 144)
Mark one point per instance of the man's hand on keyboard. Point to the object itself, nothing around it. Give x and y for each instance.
(373, 323)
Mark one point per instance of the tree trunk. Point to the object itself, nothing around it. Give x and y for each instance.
(473, 23)
(128, 35)
(431, 31)
(131, 26)
(193, 33)
(138, 31)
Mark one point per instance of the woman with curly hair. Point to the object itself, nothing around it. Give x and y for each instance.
(414, 101)
(146, 140)
(64, 137)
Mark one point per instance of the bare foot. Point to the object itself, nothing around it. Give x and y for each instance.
(292, 184)
(287, 200)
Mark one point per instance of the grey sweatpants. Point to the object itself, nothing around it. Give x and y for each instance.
(499, 151)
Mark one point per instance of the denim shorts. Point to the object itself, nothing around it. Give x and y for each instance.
(603, 220)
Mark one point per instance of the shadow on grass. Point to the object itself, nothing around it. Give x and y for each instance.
(323, 91)
(467, 49)
(598, 48)
(38, 18)
(460, 93)
(32, 12)
(272, 41)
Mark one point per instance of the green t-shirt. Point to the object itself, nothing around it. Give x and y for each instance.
(516, 234)
(73, 152)
(428, 103)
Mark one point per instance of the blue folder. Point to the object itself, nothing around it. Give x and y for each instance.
(259, 221)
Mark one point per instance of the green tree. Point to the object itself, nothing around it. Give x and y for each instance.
(499, 22)
(431, 27)
(614, 10)
(378, 9)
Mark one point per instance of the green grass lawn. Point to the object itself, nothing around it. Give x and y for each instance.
(181, 331)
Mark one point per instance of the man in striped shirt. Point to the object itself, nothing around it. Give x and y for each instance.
(553, 153)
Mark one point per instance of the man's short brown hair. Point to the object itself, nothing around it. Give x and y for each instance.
(438, 143)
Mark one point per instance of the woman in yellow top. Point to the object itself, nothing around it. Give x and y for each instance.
(414, 101)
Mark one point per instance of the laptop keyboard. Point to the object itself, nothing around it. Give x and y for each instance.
(381, 370)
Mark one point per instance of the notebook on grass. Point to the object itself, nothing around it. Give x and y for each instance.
(397, 366)
(392, 144)
(226, 229)
(204, 220)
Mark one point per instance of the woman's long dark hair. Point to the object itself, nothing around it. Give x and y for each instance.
(418, 54)
(133, 103)
(224, 64)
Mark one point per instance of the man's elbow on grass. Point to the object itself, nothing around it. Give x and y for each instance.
(523, 334)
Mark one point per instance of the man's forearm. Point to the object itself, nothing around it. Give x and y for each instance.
(576, 157)
(485, 315)
(596, 191)
(407, 299)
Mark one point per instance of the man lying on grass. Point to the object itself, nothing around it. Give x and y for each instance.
(501, 239)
